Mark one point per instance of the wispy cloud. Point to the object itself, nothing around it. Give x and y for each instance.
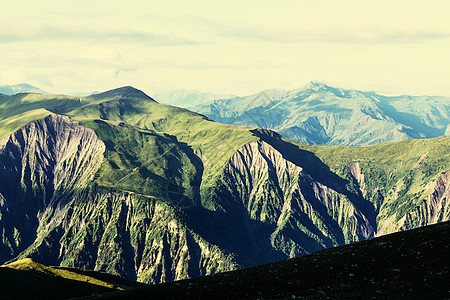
(51, 33)
(358, 35)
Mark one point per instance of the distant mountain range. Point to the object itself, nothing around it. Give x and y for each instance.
(19, 88)
(188, 98)
(314, 114)
(321, 114)
(119, 183)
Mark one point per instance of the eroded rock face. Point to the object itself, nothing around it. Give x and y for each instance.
(436, 207)
(306, 214)
(48, 157)
(355, 170)
(124, 234)
(38, 163)
(50, 211)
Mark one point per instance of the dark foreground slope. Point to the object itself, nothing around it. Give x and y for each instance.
(27, 279)
(412, 264)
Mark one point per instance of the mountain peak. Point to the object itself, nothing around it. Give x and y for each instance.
(124, 92)
(20, 88)
(316, 85)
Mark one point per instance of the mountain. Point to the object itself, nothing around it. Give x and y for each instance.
(27, 279)
(118, 183)
(378, 268)
(321, 114)
(19, 88)
(187, 98)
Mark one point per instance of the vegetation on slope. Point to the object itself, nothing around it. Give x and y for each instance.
(177, 195)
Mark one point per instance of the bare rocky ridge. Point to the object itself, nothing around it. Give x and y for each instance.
(51, 155)
(38, 163)
(296, 195)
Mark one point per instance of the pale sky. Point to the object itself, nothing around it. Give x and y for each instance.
(239, 47)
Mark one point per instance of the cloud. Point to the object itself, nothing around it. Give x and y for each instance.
(52, 33)
(355, 35)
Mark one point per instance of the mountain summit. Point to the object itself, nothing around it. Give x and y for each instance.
(316, 85)
(20, 88)
(123, 92)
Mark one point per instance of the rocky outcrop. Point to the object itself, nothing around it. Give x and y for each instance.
(49, 157)
(305, 214)
(125, 234)
(39, 163)
(431, 209)
(355, 171)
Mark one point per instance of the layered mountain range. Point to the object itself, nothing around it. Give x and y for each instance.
(321, 114)
(188, 98)
(119, 183)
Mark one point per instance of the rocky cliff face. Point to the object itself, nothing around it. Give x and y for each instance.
(49, 157)
(122, 233)
(49, 210)
(39, 163)
(277, 191)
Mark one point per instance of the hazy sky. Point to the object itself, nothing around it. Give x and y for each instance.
(240, 47)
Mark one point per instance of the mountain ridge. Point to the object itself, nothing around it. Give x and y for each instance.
(321, 114)
(20, 88)
(162, 203)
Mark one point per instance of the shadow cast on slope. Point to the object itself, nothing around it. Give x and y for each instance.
(319, 171)
(234, 232)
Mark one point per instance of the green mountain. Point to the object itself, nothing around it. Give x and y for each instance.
(116, 182)
(321, 114)
(378, 268)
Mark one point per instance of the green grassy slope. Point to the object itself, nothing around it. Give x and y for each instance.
(20, 109)
(213, 143)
